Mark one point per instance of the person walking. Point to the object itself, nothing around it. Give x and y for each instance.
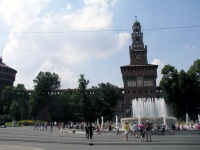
(63, 127)
(51, 126)
(90, 130)
(126, 128)
(148, 130)
(87, 131)
(45, 126)
(156, 128)
(142, 131)
(134, 129)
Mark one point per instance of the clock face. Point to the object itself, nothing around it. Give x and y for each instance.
(138, 56)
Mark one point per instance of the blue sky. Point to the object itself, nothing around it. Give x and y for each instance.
(97, 55)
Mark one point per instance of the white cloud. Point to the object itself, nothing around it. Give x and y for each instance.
(26, 52)
(123, 39)
(160, 67)
(68, 6)
(190, 47)
(113, 2)
(67, 78)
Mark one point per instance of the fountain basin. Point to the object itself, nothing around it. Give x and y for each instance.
(159, 120)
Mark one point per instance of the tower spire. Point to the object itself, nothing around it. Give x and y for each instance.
(135, 18)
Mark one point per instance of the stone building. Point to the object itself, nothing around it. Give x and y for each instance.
(139, 77)
(7, 75)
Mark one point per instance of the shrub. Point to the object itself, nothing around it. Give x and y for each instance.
(26, 123)
(6, 117)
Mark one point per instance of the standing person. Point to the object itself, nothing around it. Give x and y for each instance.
(63, 127)
(173, 127)
(36, 124)
(97, 129)
(109, 127)
(126, 128)
(188, 126)
(147, 127)
(90, 130)
(156, 128)
(134, 128)
(45, 126)
(163, 127)
(117, 129)
(142, 131)
(51, 126)
(87, 131)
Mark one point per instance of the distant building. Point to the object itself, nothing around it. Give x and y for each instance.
(7, 75)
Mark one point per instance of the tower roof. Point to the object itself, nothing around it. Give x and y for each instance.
(4, 65)
(136, 23)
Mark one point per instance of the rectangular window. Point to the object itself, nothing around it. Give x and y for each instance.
(131, 83)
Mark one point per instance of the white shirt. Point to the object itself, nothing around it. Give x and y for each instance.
(134, 127)
(163, 125)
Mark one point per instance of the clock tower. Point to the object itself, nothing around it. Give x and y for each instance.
(139, 77)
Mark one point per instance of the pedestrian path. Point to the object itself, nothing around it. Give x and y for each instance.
(28, 134)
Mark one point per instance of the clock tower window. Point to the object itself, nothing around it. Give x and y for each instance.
(137, 40)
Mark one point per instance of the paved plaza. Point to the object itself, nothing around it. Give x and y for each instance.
(28, 135)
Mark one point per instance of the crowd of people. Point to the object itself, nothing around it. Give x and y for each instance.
(141, 130)
(146, 129)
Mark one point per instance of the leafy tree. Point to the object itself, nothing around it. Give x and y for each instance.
(169, 83)
(105, 99)
(7, 98)
(181, 89)
(84, 100)
(44, 84)
(66, 107)
(21, 96)
(194, 75)
(15, 101)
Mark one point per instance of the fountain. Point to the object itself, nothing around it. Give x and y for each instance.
(102, 124)
(154, 110)
(116, 120)
(187, 119)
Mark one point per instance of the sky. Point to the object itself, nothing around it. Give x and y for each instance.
(92, 37)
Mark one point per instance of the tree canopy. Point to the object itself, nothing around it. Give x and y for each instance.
(182, 89)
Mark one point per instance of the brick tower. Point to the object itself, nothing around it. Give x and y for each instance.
(7, 76)
(139, 77)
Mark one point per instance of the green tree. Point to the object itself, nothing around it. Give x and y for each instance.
(194, 75)
(181, 89)
(169, 83)
(66, 107)
(7, 98)
(44, 85)
(21, 96)
(105, 99)
(84, 99)
(15, 101)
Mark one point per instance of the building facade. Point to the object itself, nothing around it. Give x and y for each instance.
(7, 75)
(139, 77)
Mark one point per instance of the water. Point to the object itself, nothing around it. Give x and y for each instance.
(187, 119)
(150, 108)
